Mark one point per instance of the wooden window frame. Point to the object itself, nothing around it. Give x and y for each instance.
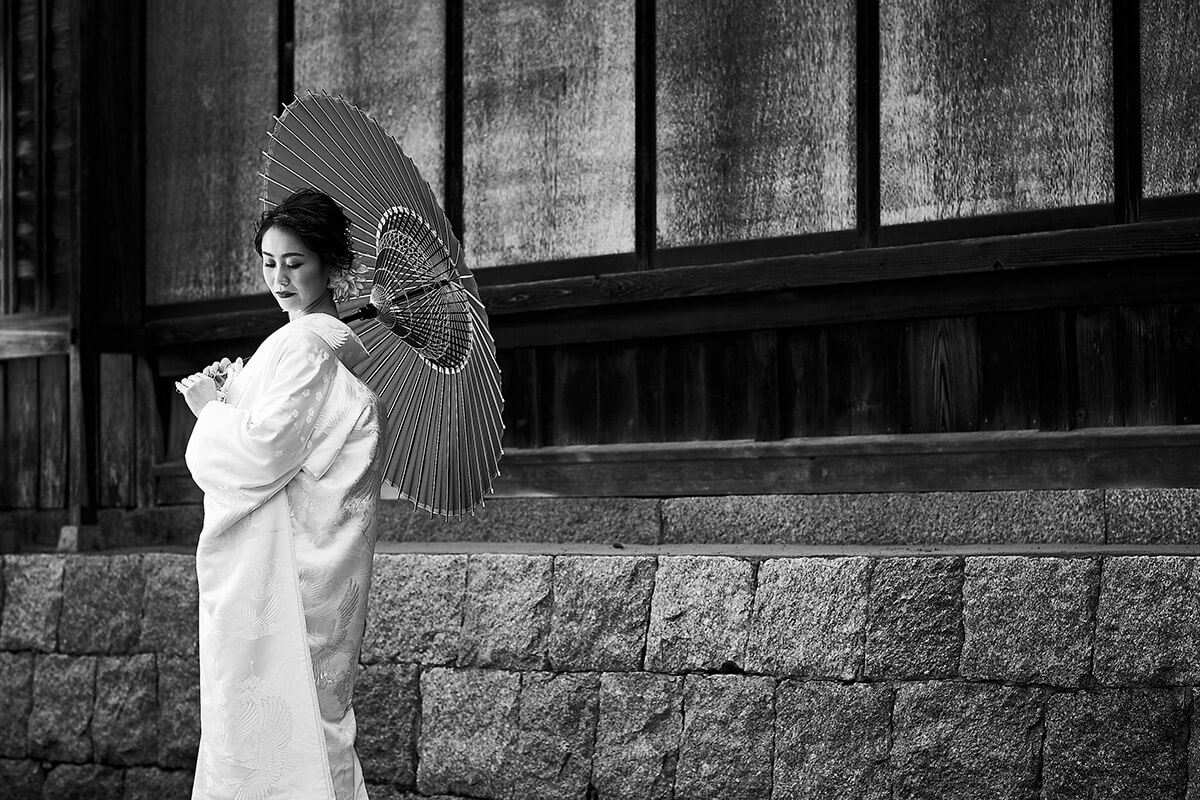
(1131, 250)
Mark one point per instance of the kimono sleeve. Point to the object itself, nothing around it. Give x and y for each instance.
(264, 444)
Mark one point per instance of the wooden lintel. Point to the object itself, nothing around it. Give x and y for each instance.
(1101, 245)
(1163, 457)
(34, 335)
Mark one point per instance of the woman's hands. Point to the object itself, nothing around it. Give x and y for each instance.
(198, 390)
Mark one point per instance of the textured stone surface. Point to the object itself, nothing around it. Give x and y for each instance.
(1159, 516)
(171, 604)
(1115, 745)
(16, 700)
(468, 731)
(416, 607)
(809, 616)
(102, 604)
(21, 779)
(387, 706)
(125, 723)
(84, 782)
(1029, 620)
(914, 618)
(726, 744)
(832, 741)
(531, 519)
(147, 783)
(1193, 754)
(1148, 621)
(62, 708)
(699, 613)
(601, 612)
(178, 711)
(888, 518)
(965, 740)
(637, 735)
(557, 724)
(32, 602)
(507, 611)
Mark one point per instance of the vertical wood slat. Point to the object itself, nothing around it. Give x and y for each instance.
(1145, 371)
(1058, 379)
(652, 390)
(763, 384)
(573, 386)
(53, 429)
(519, 376)
(804, 393)
(118, 435)
(686, 390)
(1096, 331)
(617, 400)
(6, 435)
(148, 443)
(942, 357)
(1008, 374)
(180, 422)
(1185, 353)
(23, 431)
(865, 361)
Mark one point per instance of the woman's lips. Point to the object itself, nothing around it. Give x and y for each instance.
(284, 294)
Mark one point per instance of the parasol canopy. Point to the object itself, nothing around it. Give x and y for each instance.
(415, 305)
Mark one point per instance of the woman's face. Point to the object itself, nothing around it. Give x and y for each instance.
(293, 273)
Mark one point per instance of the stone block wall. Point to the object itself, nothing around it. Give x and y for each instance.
(657, 671)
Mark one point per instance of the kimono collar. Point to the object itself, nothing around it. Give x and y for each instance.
(344, 343)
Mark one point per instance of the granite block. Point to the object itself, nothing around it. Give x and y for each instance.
(468, 734)
(32, 602)
(914, 619)
(22, 779)
(507, 611)
(966, 740)
(84, 782)
(148, 783)
(416, 608)
(832, 741)
(102, 604)
(178, 711)
(888, 518)
(171, 605)
(726, 745)
(63, 699)
(699, 613)
(1029, 620)
(387, 708)
(557, 729)
(1153, 516)
(125, 721)
(809, 617)
(1148, 621)
(1116, 745)
(637, 735)
(601, 612)
(16, 702)
(625, 520)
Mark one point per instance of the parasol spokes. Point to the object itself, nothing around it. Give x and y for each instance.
(416, 293)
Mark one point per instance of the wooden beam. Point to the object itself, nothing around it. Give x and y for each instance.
(34, 335)
(1098, 246)
(1163, 456)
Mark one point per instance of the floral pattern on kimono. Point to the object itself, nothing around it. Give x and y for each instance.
(291, 466)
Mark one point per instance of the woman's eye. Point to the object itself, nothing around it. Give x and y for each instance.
(294, 266)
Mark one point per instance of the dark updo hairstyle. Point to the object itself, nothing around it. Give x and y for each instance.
(319, 222)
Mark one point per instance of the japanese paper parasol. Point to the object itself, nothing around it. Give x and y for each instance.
(432, 360)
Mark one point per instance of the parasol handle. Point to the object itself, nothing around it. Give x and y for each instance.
(366, 312)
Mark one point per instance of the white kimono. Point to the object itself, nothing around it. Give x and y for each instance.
(291, 466)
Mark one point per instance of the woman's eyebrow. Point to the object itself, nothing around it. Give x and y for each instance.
(285, 255)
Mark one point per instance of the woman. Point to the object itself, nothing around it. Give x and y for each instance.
(290, 463)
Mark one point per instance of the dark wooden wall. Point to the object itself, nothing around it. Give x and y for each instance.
(1052, 370)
